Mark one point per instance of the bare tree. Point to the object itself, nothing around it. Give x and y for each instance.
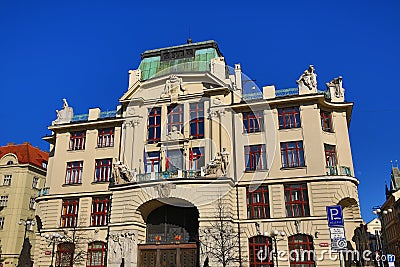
(221, 239)
(79, 240)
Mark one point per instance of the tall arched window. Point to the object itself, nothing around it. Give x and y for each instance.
(260, 251)
(96, 254)
(301, 250)
(65, 255)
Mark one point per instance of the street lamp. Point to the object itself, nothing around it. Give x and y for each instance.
(27, 223)
(274, 235)
(53, 239)
(381, 214)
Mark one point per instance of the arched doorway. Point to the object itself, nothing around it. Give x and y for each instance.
(172, 234)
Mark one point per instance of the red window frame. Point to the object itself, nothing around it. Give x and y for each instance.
(96, 254)
(197, 120)
(257, 243)
(69, 212)
(255, 157)
(103, 170)
(253, 122)
(105, 137)
(292, 154)
(289, 118)
(299, 245)
(77, 140)
(258, 203)
(154, 125)
(100, 211)
(296, 200)
(175, 117)
(330, 155)
(65, 255)
(74, 172)
(326, 121)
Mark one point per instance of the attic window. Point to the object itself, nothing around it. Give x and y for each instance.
(10, 162)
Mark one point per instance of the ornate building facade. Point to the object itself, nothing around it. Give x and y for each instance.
(195, 149)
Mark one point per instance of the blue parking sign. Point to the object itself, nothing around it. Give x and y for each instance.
(335, 216)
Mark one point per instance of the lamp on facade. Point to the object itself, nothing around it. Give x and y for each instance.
(274, 235)
(27, 223)
(381, 214)
(53, 239)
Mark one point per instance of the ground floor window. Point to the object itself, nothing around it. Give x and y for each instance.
(65, 255)
(301, 249)
(96, 254)
(260, 248)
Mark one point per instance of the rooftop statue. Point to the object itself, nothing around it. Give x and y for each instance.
(173, 88)
(65, 115)
(337, 86)
(308, 80)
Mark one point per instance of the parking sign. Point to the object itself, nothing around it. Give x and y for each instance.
(335, 216)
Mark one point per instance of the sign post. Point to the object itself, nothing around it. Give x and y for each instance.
(336, 230)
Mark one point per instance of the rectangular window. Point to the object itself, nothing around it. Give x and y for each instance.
(174, 159)
(3, 201)
(74, 172)
(253, 122)
(258, 203)
(289, 118)
(7, 179)
(152, 162)
(296, 200)
(32, 203)
(154, 126)
(196, 158)
(77, 140)
(292, 154)
(103, 170)
(69, 213)
(35, 183)
(255, 157)
(1, 222)
(330, 155)
(197, 120)
(100, 211)
(175, 118)
(326, 121)
(105, 137)
(96, 254)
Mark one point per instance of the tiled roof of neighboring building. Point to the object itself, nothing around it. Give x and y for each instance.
(26, 153)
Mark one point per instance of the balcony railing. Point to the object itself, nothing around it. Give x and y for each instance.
(338, 170)
(177, 174)
(44, 191)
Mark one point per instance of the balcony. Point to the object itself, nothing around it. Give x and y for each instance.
(159, 176)
(338, 170)
(44, 191)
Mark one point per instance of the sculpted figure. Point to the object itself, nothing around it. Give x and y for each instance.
(65, 115)
(175, 134)
(173, 87)
(308, 79)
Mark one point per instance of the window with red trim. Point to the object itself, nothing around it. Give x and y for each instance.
(154, 125)
(258, 203)
(296, 200)
(326, 121)
(105, 137)
(96, 254)
(197, 120)
(100, 211)
(103, 170)
(65, 255)
(257, 258)
(196, 158)
(77, 140)
(74, 172)
(255, 157)
(253, 122)
(69, 212)
(152, 161)
(330, 155)
(289, 118)
(292, 154)
(175, 118)
(301, 249)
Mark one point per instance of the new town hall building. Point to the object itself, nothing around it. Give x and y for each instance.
(195, 144)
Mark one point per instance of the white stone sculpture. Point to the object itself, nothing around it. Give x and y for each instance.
(121, 171)
(336, 89)
(65, 115)
(173, 88)
(175, 134)
(122, 245)
(308, 81)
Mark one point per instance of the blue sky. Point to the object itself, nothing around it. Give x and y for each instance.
(82, 50)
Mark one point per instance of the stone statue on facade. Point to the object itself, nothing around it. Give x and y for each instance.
(122, 246)
(65, 115)
(214, 167)
(308, 80)
(173, 88)
(175, 134)
(225, 160)
(121, 171)
(336, 86)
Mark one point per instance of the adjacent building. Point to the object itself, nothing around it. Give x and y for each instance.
(195, 144)
(22, 177)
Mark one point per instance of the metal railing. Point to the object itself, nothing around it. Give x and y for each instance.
(176, 174)
(44, 191)
(286, 92)
(338, 170)
(108, 114)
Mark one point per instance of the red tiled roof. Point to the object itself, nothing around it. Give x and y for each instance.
(26, 153)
